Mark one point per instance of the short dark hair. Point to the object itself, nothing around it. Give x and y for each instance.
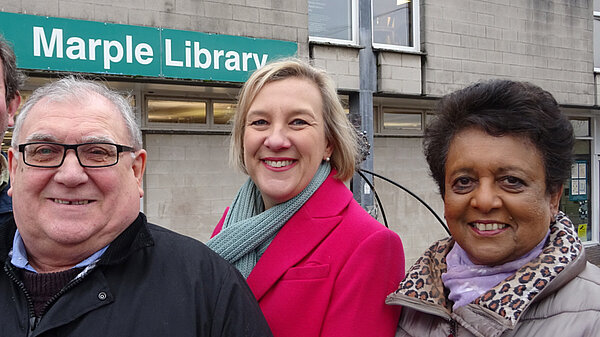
(13, 78)
(503, 107)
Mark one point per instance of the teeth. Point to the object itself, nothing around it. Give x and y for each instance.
(278, 163)
(489, 226)
(66, 202)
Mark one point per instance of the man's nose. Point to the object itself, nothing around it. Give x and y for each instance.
(71, 173)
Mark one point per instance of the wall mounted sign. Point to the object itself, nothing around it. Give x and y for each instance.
(57, 44)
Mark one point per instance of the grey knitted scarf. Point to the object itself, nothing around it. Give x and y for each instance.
(248, 229)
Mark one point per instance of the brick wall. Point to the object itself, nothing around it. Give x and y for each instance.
(339, 62)
(402, 160)
(188, 183)
(548, 43)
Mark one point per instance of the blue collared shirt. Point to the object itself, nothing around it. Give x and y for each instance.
(19, 255)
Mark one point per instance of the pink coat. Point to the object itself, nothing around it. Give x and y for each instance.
(329, 270)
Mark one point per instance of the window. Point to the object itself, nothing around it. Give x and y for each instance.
(398, 119)
(185, 113)
(596, 33)
(576, 199)
(223, 112)
(581, 126)
(396, 24)
(172, 111)
(333, 21)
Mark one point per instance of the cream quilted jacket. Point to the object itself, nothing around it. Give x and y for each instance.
(556, 294)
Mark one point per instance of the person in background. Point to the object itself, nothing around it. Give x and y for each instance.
(12, 80)
(318, 263)
(79, 259)
(500, 152)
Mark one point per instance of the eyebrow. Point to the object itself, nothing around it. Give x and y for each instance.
(40, 137)
(43, 137)
(294, 112)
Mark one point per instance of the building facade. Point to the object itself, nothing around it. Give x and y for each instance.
(391, 61)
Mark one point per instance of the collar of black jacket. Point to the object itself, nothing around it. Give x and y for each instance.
(134, 237)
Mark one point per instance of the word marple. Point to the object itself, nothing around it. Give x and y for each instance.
(113, 51)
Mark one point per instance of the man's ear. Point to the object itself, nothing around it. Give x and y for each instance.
(139, 166)
(13, 162)
(13, 105)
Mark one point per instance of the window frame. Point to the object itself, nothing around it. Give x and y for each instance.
(384, 130)
(381, 130)
(208, 101)
(596, 35)
(354, 31)
(416, 36)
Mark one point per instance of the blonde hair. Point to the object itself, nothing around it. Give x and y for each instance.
(339, 132)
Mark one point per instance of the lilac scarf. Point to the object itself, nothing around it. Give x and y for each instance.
(467, 281)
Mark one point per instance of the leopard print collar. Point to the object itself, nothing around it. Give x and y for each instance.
(511, 297)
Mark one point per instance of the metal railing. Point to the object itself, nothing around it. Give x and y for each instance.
(360, 172)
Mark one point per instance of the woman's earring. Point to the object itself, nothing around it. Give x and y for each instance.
(327, 159)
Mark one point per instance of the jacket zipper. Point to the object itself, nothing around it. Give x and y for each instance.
(33, 320)
(452, 328)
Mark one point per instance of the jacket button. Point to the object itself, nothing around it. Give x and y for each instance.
(102, 296)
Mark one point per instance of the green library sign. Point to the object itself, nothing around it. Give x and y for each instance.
(59, 44)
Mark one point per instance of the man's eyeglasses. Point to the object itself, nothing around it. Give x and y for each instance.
(47, 154)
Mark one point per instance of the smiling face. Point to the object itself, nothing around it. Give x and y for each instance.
(284, 138)
(71, 209)
(496, 203)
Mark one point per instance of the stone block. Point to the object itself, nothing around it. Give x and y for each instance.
(175, 21)
(348, 82)
(74, 10)
(259, 30)
(35, 7)
(284, 5)
(167, 6)
(112, 14)
(192, 7)
(244, 13)
(218, 10)
(286, 33)
(259, 3)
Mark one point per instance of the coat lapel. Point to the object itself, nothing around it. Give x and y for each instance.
(300, 235)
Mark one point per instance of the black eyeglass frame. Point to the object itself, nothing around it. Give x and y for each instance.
(120, 149)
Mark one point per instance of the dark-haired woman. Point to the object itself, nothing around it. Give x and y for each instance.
(514, 266)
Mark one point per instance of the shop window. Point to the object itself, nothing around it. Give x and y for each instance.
(188, 114)
(396, 24)
(576, 201)
(577, 192)
(174, 111)
(333, 21)
(397, 120)
(223, 112)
